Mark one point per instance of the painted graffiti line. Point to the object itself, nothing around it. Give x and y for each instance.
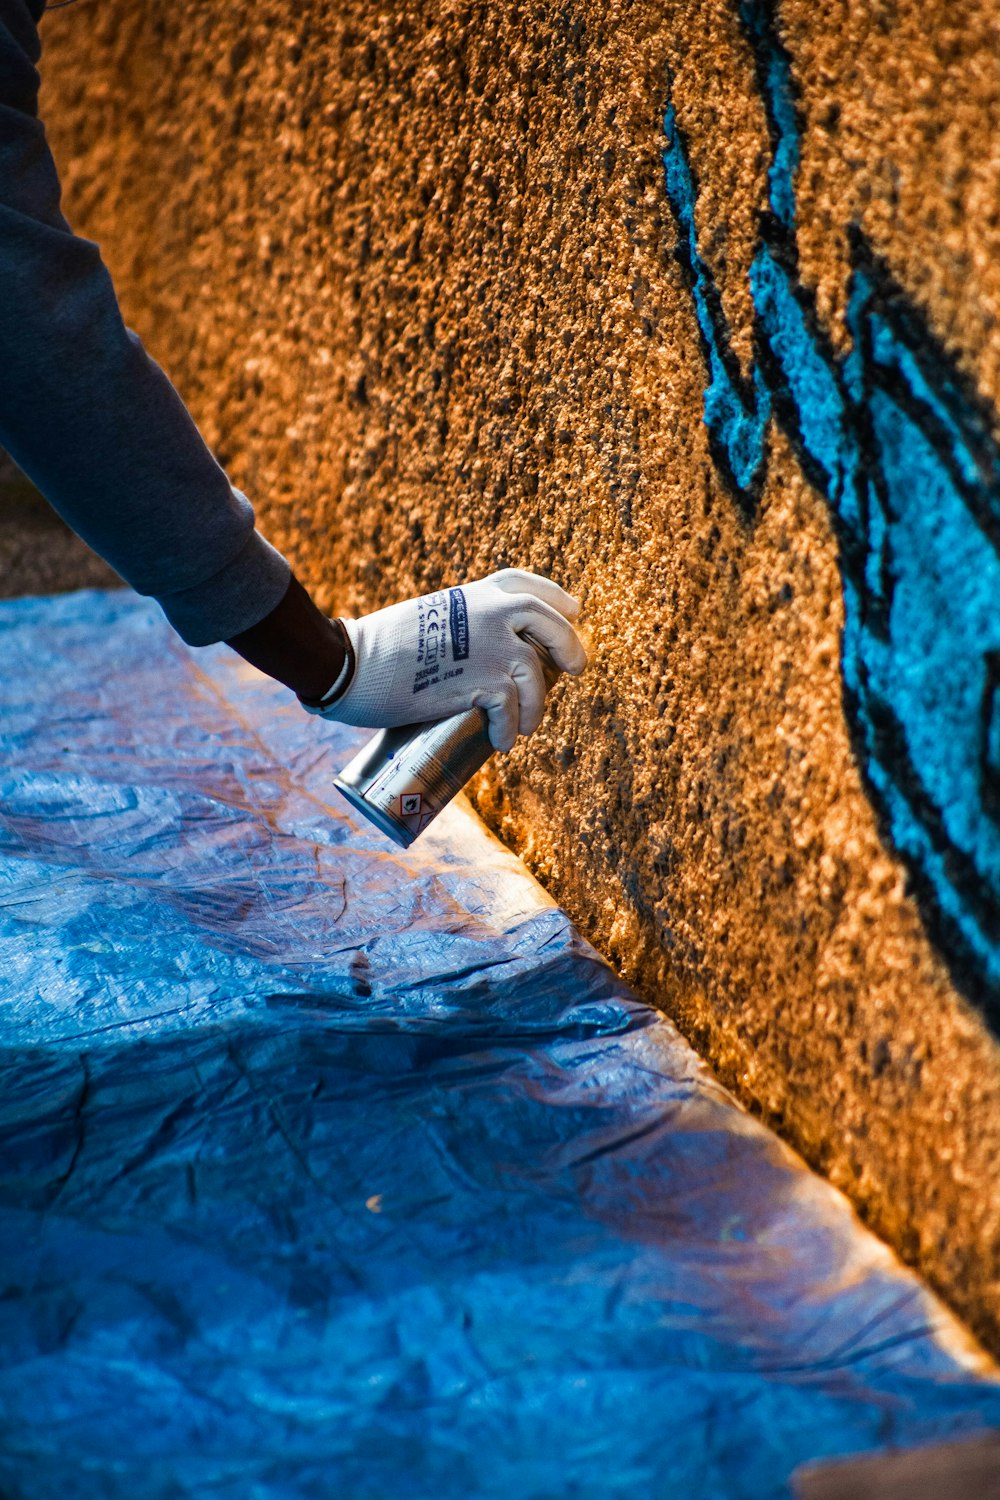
(901, 448)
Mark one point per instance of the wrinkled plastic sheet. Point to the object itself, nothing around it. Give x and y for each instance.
(332, 1170)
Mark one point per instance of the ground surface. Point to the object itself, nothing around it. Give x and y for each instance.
(335, 1169)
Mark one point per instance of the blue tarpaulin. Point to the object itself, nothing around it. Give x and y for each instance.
(331, 1170)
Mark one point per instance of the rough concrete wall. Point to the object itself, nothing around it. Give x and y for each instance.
(693, 306)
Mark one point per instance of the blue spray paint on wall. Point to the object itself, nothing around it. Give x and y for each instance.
(737, 411)
(901, 448)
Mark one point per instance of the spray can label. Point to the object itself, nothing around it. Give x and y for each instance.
(404, 777)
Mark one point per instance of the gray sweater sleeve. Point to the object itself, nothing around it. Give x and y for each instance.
(89, 416)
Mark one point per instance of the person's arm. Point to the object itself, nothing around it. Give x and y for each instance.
(297, 645)
(97, 426)
(89, 416)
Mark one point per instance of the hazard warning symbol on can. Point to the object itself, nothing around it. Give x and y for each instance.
(409, 803)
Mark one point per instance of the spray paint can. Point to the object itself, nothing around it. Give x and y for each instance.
(404, 777)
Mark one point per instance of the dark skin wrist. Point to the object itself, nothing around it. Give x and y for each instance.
(295, 644)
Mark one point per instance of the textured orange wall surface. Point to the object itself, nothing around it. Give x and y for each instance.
(417, 272)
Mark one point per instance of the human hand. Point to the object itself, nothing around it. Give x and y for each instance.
(460, 648)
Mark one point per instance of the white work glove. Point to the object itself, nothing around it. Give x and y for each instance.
(460, 648)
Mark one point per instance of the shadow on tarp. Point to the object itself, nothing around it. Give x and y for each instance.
(329, 1170)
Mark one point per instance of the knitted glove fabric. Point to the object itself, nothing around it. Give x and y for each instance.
(460, 648)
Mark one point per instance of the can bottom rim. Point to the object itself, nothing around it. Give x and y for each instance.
(394, 830)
